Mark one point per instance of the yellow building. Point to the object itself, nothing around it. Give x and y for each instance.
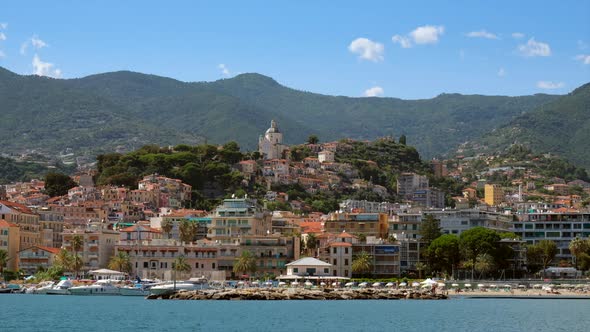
(10, 241)
(494, 195)
(27, 220)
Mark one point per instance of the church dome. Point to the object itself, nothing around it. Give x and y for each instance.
(273, 128)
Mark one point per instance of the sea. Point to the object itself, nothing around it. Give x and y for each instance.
(23, 312)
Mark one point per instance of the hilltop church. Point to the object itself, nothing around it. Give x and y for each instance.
(271, 144)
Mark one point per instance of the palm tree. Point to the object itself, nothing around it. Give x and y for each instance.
(420, 267)
(362, 263)
(187, 230)
(578, 246)
(64, 260)
(180, 265)
(311, 242)
(3, 260)
(484, 263)
(167, 226)
(245, 263)
(120, 262)
(77, 243)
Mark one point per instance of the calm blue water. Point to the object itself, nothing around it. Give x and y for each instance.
(69, 313)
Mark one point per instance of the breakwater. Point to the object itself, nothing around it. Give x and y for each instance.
(276, 294)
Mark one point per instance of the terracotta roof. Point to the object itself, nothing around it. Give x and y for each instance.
(50, 249)
(340, 244)
(18, 207)
(133, 228)
(345, 235)
(4, 223)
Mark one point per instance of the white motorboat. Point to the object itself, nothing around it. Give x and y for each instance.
(139, 289)
(43, 287)
(101, 287)
(62, 288)
(188, 285)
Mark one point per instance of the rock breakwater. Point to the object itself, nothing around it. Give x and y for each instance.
(276, 294)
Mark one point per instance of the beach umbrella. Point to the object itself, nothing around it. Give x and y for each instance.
(282, 283)
(403, 284)
(295, 283)
(254, 282)
(467, 285)
(349, 284)
(493, 286)
(335, 284)
(377, 284)
(441, 285)
(481, 285)
(363, 284)
(308, 283)
(268, 283)
(455, 285)
(240, 282)
(428, 282)
(415, 284)
(389, 284)
(323, 284)
(507, 286)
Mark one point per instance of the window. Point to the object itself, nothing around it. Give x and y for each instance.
(346, 262)
(295, 270)
(346, 273)
(346, 250)
(334, 250)
(212, 265)
(335, 261)
(326, 270)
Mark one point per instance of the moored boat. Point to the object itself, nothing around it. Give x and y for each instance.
(188, 285)
(101, 287)
(62, 288)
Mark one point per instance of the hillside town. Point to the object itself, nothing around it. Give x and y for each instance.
(154, 226)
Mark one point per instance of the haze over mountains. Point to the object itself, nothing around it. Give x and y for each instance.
(101, 112)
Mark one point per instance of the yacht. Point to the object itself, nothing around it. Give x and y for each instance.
(100, 287)
(139, 289)
(188, 285)
(43, 287)
(62, 288)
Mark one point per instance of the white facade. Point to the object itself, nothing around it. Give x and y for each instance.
(271, 144)
(326, 156)
(309, 266)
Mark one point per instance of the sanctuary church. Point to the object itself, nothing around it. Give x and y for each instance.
(271, 144)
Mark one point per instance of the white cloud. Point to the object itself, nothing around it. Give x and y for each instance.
(375, 91)
(2, 36)
(501, 72)
(38, 43)
(482, 34)
(44, 68)
(548, 85)
(403, 41)
(427, 34)
(224, 69)
(584, 58)
(35, 42)
(517, 35)
(534, 48)
(367, 49)
(3, 26)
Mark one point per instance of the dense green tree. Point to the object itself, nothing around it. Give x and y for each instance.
(477, 241)
(577, 247)
(181, 265)
(3, 260)
(57, 184)
(313, 139)
(445, 253)
(548, 250)
(429, 229)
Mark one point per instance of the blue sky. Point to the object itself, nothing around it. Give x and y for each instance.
(405, 49)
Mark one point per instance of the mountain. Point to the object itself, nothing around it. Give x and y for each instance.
(125, 110)
(561, 127)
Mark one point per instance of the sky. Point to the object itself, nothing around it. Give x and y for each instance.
(403, 49)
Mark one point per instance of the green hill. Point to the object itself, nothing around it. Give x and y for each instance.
(99, 113)
(561, 127)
